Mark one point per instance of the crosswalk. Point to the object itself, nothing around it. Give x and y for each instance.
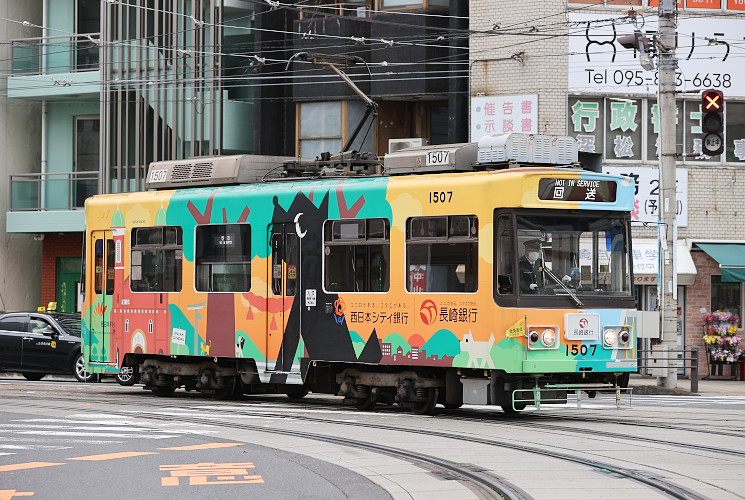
(49, 434)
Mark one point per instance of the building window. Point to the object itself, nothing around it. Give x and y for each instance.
(442, 254)
(326, 127)
(357, 255)
(223, 258)
(726, 296)
(157, 254)
(411, 4)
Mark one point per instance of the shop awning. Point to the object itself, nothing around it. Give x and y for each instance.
(731, 258)
(645, 257)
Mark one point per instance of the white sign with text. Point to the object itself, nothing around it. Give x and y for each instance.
(647, 198)
(501, 114)
(707, 55)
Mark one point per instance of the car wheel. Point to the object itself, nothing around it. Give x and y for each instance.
(126, 375)
(33, 376)
(78, 369)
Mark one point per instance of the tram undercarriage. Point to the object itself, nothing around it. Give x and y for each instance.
(419, 389)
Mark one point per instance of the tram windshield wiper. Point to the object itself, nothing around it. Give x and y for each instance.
(562, 285)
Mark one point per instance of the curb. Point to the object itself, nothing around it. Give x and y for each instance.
(653, 389)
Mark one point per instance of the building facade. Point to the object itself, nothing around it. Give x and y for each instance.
(566, 57)
(20, 145)
(101, 89)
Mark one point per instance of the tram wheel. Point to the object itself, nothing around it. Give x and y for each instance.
(366, 403)
(426, 406)
(165, 391)
(452, 406)
(226, 392)
(298, 392)
(513, 409)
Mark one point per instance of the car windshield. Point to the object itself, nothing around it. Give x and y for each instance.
(69, 322)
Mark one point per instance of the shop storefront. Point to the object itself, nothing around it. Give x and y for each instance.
(716, 305)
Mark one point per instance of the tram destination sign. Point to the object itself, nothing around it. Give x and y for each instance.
(577, 190)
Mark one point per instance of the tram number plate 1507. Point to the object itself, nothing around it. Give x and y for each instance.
(438, 158)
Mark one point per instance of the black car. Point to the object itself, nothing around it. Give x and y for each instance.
(40, 343)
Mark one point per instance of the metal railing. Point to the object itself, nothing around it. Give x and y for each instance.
(357, 9)
(664, 360)
(56, 54)
(51, 191)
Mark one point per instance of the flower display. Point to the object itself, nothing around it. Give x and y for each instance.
(720, 328)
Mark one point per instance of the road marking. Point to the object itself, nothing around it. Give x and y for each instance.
(92, 434)
(114, 456)
(9, 494)
(200, 474)
(202, 446)
(27, 465)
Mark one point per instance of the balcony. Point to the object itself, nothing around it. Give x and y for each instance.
(51, 202)
(60, 67)
(57, 54)
(51, 191)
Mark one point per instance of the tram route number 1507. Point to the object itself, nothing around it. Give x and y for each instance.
(440, 196)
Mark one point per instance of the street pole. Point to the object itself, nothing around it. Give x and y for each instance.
(666, 41)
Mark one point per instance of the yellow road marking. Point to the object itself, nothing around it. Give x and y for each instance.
(27, 465)
(114, 456)
(202, 446)
(200, 474)
(9, 494)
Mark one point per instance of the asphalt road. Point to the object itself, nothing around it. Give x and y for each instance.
(63, 439)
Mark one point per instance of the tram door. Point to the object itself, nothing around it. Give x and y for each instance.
(284, 279)
(101, 288)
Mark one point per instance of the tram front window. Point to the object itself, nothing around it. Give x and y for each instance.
(577, 255)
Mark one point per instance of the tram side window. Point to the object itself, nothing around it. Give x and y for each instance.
(442, 254)
(104, 266)
(156, 258)
(223, 258)
(357, 255)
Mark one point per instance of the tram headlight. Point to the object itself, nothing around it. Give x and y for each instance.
(610, 337)
(549, 337)
(625, 337)
(533, 336)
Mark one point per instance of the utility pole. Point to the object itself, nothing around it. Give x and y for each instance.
(667, 64)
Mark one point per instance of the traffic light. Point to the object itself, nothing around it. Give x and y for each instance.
(642, 44)
(712, 122)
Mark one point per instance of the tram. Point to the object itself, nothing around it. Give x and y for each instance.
(495, 272)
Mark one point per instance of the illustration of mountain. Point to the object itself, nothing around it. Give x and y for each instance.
(443, 343)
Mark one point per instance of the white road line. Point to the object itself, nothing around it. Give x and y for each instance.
(91, 434)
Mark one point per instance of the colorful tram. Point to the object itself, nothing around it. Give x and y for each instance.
(396, 282)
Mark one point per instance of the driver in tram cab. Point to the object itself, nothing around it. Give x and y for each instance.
(530, 267)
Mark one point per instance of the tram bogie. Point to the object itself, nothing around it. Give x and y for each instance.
(396, 283)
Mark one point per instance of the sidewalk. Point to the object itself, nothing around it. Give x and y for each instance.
(719, 386)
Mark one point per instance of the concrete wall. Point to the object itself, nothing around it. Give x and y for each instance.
(20, 152)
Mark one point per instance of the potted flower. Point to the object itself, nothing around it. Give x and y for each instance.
(720, 329)
(721, 323)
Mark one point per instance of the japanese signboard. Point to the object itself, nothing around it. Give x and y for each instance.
(616, 128)
(576, 190)
(646, 199)
(600, 64)
(494, 115)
